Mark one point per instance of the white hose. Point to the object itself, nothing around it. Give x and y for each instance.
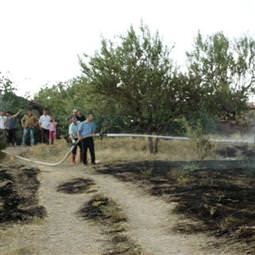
(122, 135)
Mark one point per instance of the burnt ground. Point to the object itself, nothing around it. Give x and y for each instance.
(106, 212)
(220, 202)
(77, 186)
(18, 193)
(230, 151)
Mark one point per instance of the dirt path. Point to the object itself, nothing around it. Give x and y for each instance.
(150, 220)
(62, 232)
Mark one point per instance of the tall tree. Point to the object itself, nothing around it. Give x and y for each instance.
(139, 78)
(225, 72)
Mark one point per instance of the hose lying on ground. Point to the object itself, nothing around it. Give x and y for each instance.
(120, 135)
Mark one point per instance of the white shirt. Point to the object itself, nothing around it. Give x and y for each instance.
(44, 121)
(3, 120)
(73, 130)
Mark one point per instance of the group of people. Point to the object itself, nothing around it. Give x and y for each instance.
(29, 123)
(81, 132)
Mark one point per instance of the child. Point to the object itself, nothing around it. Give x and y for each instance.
(52, 130)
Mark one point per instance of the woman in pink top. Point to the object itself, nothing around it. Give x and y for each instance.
(52, 130)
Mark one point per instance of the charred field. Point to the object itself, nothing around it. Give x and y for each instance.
(219, 202)
(113, 223)
(19, 186)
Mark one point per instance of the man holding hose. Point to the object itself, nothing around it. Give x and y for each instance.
(86, 131)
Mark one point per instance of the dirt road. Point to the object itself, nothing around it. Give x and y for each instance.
(150, 221)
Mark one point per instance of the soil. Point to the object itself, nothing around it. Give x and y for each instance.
(154, 216)
(76, 186)
(19, 193)
(108, 214)
(221, 202)
(231, 151)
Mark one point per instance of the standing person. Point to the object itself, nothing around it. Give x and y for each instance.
(29, 122)
(44, 123)
(73, 135)
(80, 117)
(87, 128)
(52, 130)
(3, 120)
(11, 127)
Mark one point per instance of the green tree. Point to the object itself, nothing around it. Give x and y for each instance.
(224, 70)
(139, 80)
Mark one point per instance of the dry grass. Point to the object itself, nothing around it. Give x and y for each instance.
(111, 150)
(119, 149)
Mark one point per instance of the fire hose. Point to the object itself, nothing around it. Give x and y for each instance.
(113, 135)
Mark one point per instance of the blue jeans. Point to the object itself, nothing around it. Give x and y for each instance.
(30, 132)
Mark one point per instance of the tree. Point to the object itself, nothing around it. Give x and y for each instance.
(225, 72)
(139, 80)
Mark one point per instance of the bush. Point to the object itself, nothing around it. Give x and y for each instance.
(198, 140)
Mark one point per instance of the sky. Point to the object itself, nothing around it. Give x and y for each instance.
(40, 40)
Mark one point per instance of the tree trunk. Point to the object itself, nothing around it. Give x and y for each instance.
(156, 144)
(153, 145)
(150, 144)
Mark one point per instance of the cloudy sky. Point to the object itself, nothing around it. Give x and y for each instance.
(41, 39)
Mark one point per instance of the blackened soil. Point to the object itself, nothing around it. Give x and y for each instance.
(110, 217)
(77, 186)
(237, 151)
(222, 202)
(19, 193)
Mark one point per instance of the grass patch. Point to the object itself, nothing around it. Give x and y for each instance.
(111, 150)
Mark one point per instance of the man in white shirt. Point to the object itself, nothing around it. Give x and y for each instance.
(44, 123)
(3, 121)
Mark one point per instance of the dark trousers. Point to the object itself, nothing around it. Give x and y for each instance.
(88, 143)
(74, 151)
(12, 136)
(45, 135)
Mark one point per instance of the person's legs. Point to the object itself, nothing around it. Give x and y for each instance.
(46, 136)
(84, 151)
(92, 150)
(74, 152)
(14, 138)
(32, 138)
(80, 150)
(9, 136)
(51, 137)
(24, 137)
